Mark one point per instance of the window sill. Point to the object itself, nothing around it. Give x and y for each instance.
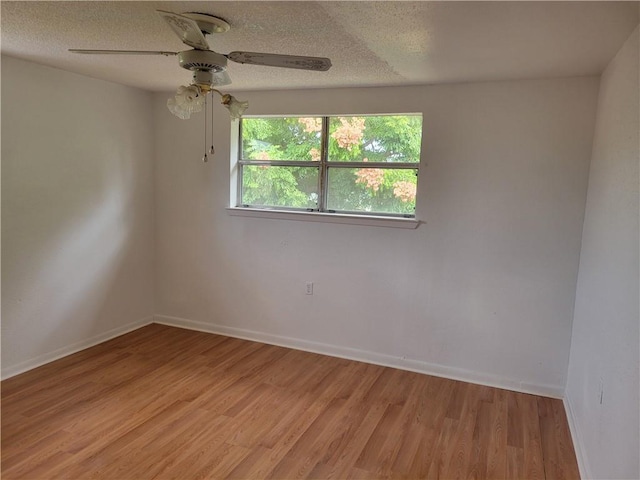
(369, 220)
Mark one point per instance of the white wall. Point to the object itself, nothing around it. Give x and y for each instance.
(77, 212)
(483, 291)
(604, 349)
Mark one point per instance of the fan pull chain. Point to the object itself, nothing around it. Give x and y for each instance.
(212, 150)
(205, 159)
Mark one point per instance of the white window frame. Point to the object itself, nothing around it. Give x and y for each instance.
(236, 208)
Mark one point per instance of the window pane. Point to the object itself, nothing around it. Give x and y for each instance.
(295, 187)
(372, 190)
(383, 138)
(283, 138)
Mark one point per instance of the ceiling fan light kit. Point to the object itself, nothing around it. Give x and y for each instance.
(188, 100)
(236, 107)
(210, 68)
(191, 98)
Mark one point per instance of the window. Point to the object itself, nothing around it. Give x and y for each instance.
(366, 165)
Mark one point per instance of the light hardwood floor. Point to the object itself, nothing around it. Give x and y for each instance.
(163, 402)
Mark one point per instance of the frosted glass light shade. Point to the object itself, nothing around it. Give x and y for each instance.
(236, 107)
(188, 100)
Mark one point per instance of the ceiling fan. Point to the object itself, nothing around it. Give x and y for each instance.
(209, 67)
(191, 29)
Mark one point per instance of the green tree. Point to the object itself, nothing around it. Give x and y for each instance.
(387, 139)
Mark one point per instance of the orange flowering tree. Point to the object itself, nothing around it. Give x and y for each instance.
(367, 139)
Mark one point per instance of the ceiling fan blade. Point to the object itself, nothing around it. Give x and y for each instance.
(287, 61)
(220, 79)
(121, 52)
(186, 29)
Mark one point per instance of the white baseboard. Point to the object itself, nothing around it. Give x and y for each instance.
(576, 438)
(366, 356)
(40, 360)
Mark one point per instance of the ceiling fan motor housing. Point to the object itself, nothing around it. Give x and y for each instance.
(203, 79)
(202, 60)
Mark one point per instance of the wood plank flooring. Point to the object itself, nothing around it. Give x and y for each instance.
(163, 402)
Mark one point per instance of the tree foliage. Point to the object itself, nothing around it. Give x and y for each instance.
(384, 139)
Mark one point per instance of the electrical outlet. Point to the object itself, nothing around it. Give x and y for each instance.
(309, 288)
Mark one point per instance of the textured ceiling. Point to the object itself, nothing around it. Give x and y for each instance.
(369, 43)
